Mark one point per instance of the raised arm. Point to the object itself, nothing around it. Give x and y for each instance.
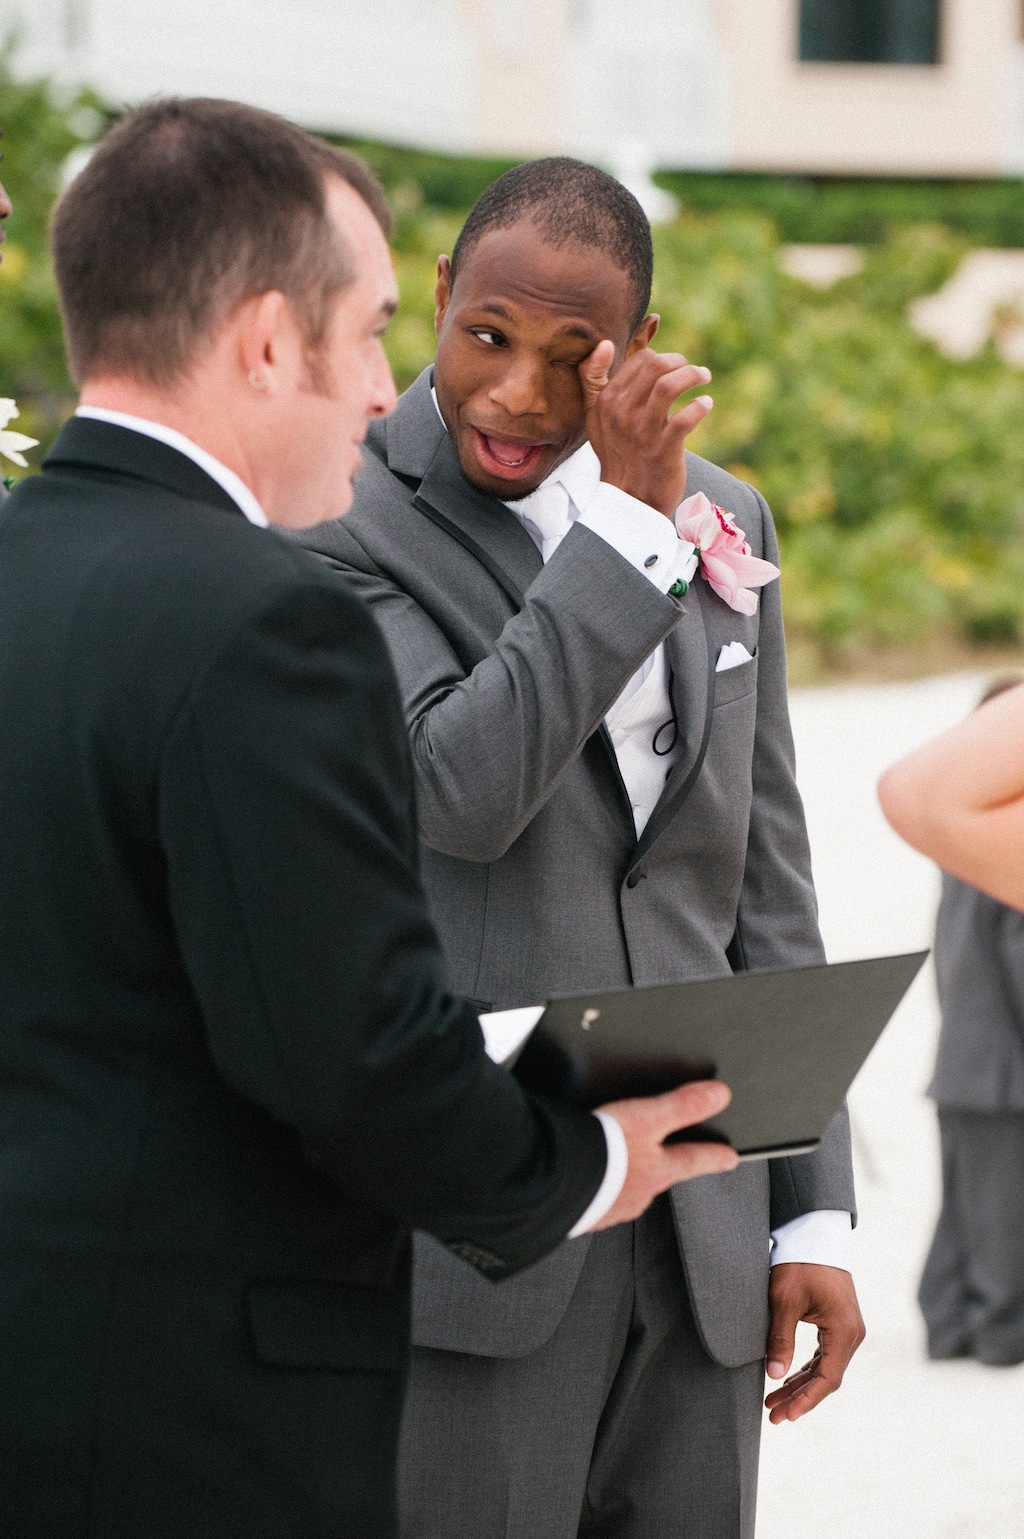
(960, 798)
(494, 730)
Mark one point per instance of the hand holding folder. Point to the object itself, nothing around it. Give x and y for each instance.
(788, 1044)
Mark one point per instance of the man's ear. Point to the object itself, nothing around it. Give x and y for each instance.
(268, 338)
(644, 334)
(442, 291)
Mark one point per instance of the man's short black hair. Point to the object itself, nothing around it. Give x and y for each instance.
(570, 203)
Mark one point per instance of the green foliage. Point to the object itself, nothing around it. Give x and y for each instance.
(419, 177)
(40, 131)
(858, 209)
(824, 209)
(896, 475)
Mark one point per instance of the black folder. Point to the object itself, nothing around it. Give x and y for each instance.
(788, 1044)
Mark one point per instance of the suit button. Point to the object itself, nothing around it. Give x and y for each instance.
(634, 877)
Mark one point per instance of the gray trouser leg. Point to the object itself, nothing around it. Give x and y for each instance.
(619, 1427)
(972, 1290)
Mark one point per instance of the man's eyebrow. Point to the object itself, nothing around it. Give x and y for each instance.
(574, 329)
(577, 329)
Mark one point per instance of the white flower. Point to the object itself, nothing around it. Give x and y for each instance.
(11, 444)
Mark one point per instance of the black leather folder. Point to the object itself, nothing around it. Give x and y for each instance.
(788, 1044)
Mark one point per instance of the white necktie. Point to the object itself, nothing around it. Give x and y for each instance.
(545, 514)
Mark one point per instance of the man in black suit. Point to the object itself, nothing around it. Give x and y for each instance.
(231, 1074)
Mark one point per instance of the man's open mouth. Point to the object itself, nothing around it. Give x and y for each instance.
(506, 457)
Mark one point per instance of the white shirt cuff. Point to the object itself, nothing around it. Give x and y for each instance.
(644, 537)
(504, 1032)
(614, 1176)
(821, 1238)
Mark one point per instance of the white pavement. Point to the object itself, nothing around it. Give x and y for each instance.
(907, 1449)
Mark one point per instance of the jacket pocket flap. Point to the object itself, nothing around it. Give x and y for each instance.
(733, 683)
(328, 1325)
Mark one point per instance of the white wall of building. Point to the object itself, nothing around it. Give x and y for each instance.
(960, 117)
(686, 83)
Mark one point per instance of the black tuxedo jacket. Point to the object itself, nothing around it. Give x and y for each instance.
(227, 1049)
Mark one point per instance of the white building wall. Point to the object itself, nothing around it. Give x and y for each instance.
(632, 83)
(950, 119)
(389, 69)
(647, 83)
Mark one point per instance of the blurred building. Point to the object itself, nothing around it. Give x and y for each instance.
(922, 87)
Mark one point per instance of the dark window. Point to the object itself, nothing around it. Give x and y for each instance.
(869, 31)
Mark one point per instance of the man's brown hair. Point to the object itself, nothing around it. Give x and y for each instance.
(188, 207)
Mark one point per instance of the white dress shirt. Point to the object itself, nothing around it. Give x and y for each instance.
(574, 492)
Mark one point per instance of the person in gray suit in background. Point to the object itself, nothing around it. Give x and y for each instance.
(972, 1288)
(606, 794)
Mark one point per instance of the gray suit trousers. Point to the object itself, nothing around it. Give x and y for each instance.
(619, 1427)
(972, 1291)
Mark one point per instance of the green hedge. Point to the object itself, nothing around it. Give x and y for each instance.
(40, 130)
(817, 209)
(896, 475)
(860, 210)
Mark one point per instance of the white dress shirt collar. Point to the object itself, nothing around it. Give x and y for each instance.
(226, 479)
(580, 474)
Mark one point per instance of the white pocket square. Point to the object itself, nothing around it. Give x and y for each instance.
(733, 655)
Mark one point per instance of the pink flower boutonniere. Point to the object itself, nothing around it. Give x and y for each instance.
(725, 559)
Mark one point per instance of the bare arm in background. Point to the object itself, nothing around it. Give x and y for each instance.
(960, 798)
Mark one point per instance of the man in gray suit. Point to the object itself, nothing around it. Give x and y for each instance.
(972, 1290)
(604, 801)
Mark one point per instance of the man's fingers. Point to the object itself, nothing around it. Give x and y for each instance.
(688, 1105)
(646, 1122)
(786, 1315)
(824, 1296)
(684, 1161)
(794, 1402)
(690, 416)
(595, 371)
(649, 390)
(656, 1116)
(640, 446)
(671, 382)
(802, 1391)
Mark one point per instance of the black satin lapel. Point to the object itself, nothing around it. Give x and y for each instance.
(692, 656)
(95, 447)
(489, 525)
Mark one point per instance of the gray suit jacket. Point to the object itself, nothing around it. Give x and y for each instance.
(979, 965)
(537, 882)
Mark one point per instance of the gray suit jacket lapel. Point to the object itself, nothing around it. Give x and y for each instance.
(691, 655)
(417, 447)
